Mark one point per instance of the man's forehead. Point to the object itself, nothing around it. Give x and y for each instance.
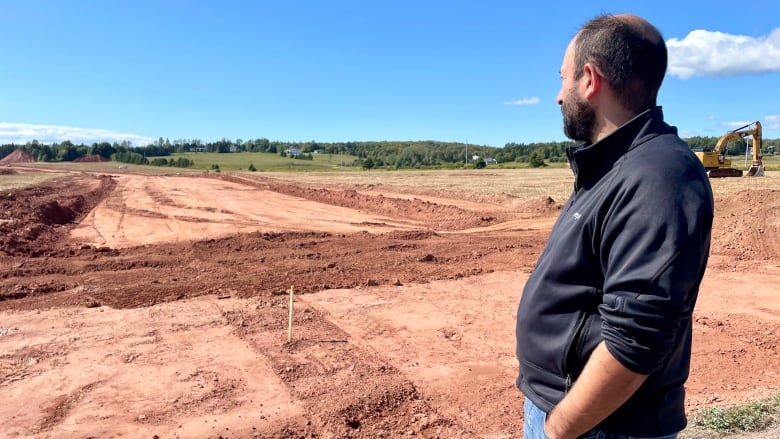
(568, 56)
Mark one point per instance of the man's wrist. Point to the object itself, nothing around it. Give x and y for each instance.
(546, 427)
(544, 431)
(551, 428)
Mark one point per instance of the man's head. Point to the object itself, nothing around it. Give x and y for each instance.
(614, 65)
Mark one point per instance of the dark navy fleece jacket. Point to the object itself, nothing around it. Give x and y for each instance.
(622, 265)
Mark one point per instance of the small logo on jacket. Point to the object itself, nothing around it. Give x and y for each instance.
(576, 216)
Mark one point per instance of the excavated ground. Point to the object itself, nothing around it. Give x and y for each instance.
(151, 306)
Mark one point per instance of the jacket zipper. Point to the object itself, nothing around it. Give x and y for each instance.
(572, 350)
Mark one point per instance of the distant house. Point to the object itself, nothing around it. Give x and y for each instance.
(233, 148)
(293, 151)
(198, 149)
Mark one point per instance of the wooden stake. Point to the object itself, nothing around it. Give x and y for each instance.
(289, 325)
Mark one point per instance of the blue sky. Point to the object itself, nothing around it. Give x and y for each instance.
(483, 72)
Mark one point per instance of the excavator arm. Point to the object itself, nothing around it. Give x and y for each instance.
(757, 167)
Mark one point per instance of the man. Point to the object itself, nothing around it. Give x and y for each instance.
(604, 323)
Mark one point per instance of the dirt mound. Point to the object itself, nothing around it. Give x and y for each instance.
(7, 172)
(18, 156)
(52, 213)
(91, 159)
(33, 219)
(255, 264)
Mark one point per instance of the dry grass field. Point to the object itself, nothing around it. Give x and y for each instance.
(18, 178)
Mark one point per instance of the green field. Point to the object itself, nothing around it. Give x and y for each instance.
(204, 161)
(240, 161)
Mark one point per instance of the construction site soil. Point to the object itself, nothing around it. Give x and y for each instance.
(158, 306)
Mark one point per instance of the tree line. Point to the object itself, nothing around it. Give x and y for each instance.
(123, 152)
(390, 154)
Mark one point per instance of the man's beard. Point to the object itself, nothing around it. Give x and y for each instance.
(579, 118)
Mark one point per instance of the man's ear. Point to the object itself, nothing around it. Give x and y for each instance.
(592, 80)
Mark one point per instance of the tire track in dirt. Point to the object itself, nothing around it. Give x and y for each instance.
(62, 405)
(116, 202)
(430, 215)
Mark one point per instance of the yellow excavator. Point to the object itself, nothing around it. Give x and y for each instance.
(715, 161)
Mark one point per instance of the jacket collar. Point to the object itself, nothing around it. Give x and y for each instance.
(591, 161)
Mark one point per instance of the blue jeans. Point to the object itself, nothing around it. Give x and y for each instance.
(533, 427)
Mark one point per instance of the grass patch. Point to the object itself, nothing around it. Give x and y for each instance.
(755, 416)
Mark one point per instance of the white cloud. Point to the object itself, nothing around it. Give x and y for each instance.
(774, 122)
(735, 124)
(525, 101)
(25, 132)
(716, 54)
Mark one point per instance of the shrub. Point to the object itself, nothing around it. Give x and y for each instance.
(536, 160)
(751, 417)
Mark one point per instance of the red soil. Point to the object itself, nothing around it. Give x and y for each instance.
(141, 306)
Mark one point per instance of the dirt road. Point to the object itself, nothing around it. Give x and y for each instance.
(135, 306)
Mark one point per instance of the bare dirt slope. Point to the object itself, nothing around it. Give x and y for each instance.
(18, 156)
(135, 306)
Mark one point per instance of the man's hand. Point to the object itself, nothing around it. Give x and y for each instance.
(602, 388)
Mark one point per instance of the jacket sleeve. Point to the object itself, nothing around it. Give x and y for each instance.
(653, 246)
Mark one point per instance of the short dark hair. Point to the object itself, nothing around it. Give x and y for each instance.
(629, 52)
